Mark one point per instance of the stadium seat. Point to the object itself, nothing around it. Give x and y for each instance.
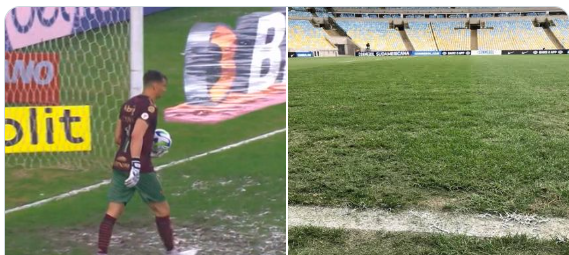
(421, 36)
(561, 31)
(377, 33)
(448, 37)
(303, 36)
(302, 9)
(512, 35)
(294, 13)
(324, 14)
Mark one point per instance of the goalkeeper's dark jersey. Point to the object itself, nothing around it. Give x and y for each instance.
(138, 107)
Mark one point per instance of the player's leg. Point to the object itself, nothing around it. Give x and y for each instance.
(160, 209)
(114, 211)
(163, 224)
(118, 196)
(151, 192)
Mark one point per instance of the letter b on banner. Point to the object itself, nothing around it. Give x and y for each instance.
(262, 40)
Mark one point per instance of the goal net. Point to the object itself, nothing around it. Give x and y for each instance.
(67, 73)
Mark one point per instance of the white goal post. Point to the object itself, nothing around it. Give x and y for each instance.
(136, 49)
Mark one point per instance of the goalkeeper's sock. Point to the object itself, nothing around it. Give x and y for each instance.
(105, 232)
(166, 232)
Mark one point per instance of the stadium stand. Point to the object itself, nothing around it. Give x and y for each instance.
(324, 14)
(421, 36)
(481, 15)
(561, 31)
(512, 35)
(436, 29)
(295, 13)
(452, 16)
(414, 16)
(303, 36)
(535, 14)
(377, 33)
(436, 16)
(451, 35)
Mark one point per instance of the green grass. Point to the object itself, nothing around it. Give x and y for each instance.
(312, 240)
(240, 192)
(30, 177)
(473, 134)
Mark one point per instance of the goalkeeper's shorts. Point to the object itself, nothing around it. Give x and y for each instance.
(148, 188)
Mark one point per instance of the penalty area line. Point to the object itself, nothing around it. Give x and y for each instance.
(158, 168)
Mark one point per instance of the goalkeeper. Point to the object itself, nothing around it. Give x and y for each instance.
(132, 167)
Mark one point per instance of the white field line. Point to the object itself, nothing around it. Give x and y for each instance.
(481, 225)
(158, 168)
(189, 252)
(385, 58)
(392, 58)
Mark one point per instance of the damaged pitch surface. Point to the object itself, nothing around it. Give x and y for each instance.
(239, 235)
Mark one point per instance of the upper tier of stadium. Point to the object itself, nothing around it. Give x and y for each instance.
(427, 29)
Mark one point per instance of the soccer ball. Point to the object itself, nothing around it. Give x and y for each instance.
(162, 142)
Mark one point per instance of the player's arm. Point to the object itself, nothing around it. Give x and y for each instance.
(136, 140)
(118, 132)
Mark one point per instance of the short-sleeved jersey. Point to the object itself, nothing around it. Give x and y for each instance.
(138, 107)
